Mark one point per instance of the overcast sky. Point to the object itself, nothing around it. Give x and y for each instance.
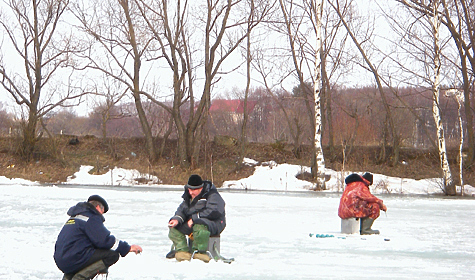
(237, 79)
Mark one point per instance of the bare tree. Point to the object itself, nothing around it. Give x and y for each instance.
(390, 129)
(458, 96)
(298, 41)
(303, 21)
(108, 93)
(449, 184)
(223, 32)
(333, 57)
(463, 34)
(317, 9)
(295, 15)
(458, 17)
(33, 30)
(442, 13)
(291, 106)
(119, 46)
(245, 119)
(6, 121)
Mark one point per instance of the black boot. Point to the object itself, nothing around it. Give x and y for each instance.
(171, 254)
(68, 276)
(91, 271)
(366, 224)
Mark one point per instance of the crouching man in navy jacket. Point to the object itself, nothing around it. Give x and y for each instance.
(85, 247)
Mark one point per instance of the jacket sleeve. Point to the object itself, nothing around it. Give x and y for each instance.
(101, 237)
(180, 214)
(364, 194)
(215, 207)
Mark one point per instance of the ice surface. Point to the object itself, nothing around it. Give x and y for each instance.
(267, 234)
(430, 236)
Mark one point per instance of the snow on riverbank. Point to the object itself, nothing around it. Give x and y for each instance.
(267, 176)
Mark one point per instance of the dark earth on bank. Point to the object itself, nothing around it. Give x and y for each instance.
(55, 160)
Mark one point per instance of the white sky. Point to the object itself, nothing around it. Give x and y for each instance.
(227, 83)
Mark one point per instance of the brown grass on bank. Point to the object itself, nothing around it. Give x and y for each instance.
(56, 159)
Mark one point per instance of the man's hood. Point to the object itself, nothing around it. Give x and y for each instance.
(355, 178)
(83, 208)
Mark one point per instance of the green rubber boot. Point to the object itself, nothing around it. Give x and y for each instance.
(200, 242)
(178, 239)
(200, 238)
(366, 224)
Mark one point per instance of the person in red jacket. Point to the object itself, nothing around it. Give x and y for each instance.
(358, 202)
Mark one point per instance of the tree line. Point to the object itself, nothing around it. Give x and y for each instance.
(357, 120)
(158, 64)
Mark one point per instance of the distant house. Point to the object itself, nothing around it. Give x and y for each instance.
(234, 108)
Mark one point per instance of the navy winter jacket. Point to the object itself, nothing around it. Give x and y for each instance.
(208, 208)
(81, 235)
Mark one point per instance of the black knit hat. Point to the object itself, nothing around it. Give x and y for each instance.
(194, 182)
(369, 177)
(98, 198)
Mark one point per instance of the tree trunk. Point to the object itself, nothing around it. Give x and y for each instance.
(165, 136)
(145, 129)
(390, 122)
(318, 150)
(449, 185)
(243, 140)
(136, 85)
(29, 135)
(327, 116)
(459, 97)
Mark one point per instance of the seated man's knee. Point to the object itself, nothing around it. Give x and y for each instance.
(201, 232)
(175, 234)
(172, 233)
(200, 227)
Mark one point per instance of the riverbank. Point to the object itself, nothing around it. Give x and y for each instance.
(56, 161)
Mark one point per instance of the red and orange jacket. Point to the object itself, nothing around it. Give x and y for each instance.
(357, 200)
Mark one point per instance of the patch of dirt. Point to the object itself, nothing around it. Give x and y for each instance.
(55, 160)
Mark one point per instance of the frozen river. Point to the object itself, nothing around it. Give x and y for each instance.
(267, 233)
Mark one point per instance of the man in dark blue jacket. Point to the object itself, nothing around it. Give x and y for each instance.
(202, 214)
(85, 247)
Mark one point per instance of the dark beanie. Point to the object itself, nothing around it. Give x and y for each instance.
(195, 182)
(369, 177)
(98, 198)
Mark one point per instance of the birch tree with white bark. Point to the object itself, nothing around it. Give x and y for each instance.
(458, 17)
(317, 144)
(303, 20)
(448, 183)
(459, 97)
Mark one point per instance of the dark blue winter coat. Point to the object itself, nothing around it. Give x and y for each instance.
(208, 208)
(81, 235)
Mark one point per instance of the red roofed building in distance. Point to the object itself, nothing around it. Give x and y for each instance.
(234, 108)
